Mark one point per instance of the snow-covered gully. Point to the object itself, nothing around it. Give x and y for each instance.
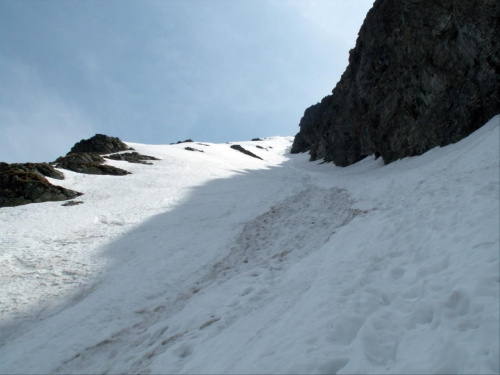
(217, 262)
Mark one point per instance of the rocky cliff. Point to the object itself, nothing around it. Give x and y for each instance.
(424, 73)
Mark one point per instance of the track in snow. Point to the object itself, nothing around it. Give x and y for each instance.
(261, 253)
(289, 230)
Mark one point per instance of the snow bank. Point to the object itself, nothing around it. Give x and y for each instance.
(217, 262)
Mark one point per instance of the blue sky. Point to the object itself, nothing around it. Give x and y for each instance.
(161, 71)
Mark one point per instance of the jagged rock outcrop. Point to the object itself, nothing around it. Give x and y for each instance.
(25, 183)
(43, 169)
(423, 74)
(88, 163)
(84, 156)
(179, 142)
(100, 144)
(22, 184)
(132, 157)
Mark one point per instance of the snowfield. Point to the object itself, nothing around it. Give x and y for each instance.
(217, 262)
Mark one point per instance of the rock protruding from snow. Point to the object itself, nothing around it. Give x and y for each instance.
(192, 149)
(100, 144)
(71, 203)
(423, 74)
(24, 183)
(84, 156)
(180, 142)
(88, 163)
(43, 169)
(132, 157)
(245, 151)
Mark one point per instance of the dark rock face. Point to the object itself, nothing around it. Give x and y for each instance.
(132, 157)
(43, 169)
(424, 73)
(101, 144)
(19, 185)
(306, 138)
(88, 163)
(246, 152)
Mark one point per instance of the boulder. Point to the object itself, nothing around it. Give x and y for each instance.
(20, 185)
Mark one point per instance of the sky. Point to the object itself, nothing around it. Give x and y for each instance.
(156, 72)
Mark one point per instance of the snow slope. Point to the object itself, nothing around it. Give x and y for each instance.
(217, 262)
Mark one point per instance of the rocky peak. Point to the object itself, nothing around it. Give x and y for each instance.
(84, 156)
(423, 74)
(100, 144)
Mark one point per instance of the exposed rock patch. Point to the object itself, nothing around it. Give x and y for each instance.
(132, 157)
(21, 185)
(423, 74)
(71, 203)
(192, 149)
(43, 169)
(246, 152)
(26, 183)
(84, 156)
(179, 142)
(100, 144)
(88, 163)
